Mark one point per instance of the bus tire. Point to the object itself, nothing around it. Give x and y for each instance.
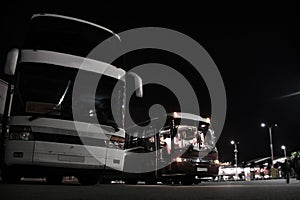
(166, 181)
(188, 180)
(151, 181)
(88, 180)
(54, 180)
(11, 178)
(131, 181)
(103, 180)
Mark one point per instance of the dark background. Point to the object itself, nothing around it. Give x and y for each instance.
(256, 48)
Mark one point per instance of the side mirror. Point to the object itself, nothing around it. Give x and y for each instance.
(11, 62)
(138, 84)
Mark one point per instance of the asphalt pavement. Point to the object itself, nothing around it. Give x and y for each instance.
(254, 190)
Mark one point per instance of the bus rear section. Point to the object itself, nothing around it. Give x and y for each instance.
(183, 150)
(194, 169)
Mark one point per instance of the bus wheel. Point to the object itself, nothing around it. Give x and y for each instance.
(166, 182)
(88, 180)
(103, 180)
(11, 178)
(188, 180)
(151, 181)
(54, 180)
(131, 181)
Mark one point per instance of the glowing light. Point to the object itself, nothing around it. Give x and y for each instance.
(207, 120)
(217, 162)
(175, 114)
(178, 159)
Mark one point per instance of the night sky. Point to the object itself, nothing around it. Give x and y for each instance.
(255, 47)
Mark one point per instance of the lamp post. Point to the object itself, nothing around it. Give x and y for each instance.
(284, 150)
(235, 156)
(271, 143)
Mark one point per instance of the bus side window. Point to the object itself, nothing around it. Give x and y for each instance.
(150, 143)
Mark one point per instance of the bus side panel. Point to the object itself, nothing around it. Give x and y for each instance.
(18, 152)
(69, 155)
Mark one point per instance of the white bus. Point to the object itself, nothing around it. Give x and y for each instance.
(42, 139)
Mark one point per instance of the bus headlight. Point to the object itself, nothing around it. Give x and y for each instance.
(217, 162)
(178, 159)
(20, 133)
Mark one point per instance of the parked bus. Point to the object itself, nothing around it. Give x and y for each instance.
(184, 149)
(42, 139)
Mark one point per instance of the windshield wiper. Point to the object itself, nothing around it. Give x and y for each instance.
(64, 94)
(56, 107)
(115, 126)
(52, 110)
(111, 124)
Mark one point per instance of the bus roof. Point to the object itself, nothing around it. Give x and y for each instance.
(175, 115)
(75, 19)
(188, 116)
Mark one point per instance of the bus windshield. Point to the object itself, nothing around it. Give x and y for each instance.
(66, 36)
(179, 133)
(45, 90)
(186, 136)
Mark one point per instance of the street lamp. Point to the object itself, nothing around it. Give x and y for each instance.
(271, 143)
(235, 156)
(284, 150)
